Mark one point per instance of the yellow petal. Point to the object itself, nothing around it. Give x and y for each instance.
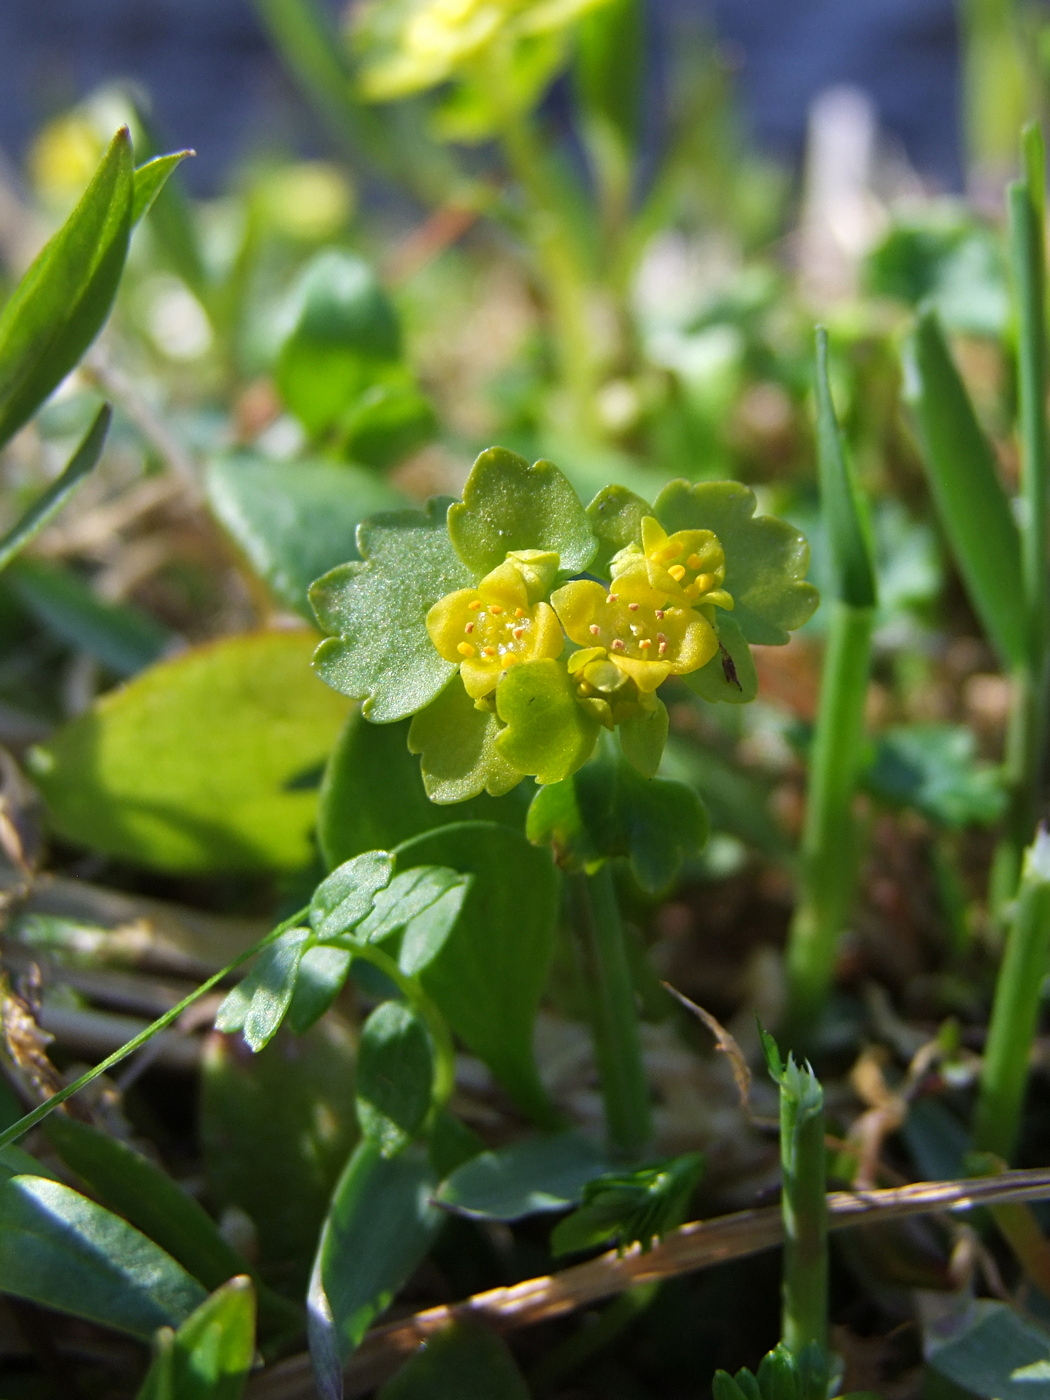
(647, 675)
(480, 675)
(577, 605)
(447, 622)
(545, 636)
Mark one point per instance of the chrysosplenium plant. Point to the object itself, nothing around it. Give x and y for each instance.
(514, 625)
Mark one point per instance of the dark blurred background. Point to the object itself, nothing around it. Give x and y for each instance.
(216, 86)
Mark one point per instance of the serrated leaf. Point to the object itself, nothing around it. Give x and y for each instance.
(344, 897)
(296, 1098)
(527, 1178)
(547, 732)
(259, 1003)
(730, 675)
(509, 505)
(840, 505)
(971, 503)
(194, 765)
(61, 303)
(209, 1357)
(63, 1251)
(395, 1076)
(381, 652)
(935, 769)
(489, 976)
(616, 516)
(294, 521)
(380, 1226)
(456, 742)
(766, 558)
(372, 794)
(50, 502)
(608, 809)
(137, 1189)
(465, 1362)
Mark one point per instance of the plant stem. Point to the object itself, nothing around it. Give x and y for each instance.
(1027, 733)
(827, 875)
(606, 978)
(994, 83)
(804, 1206)
(1015, 1011)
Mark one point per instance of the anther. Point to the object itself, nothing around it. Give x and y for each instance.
(594, 629)
(519, 612)
(694, 562)
(612, 598)
(704, 582)
(662, 648)
(645, 643)
(465, 649)
(633, 607)
(677, 572)
(518, 633)
(475, 605)
(488, 651)
(495, 609)
(618, 645)
(660, 614)
(469, 627)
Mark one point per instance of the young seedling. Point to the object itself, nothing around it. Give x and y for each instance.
(461, 617)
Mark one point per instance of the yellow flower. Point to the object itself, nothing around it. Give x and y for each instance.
(690, 565)
(643, 632)
(500, 623)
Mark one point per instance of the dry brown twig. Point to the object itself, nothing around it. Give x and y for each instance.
(694, 1246)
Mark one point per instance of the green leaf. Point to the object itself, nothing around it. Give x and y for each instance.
(616, 516)
(465, 1362)
(730, 675)
(150, 179)
(121, 637)
(508, 505)
(258, 1005)
(372, 794)
(209, 1357)
(935, 769)
(625, 1208)
(970, 501)
(766, 558)
(642, 739)
(610, 74)
(343, 898)
(395, 1077)
(389, 420)
(135, 1188)
(459, 756)
(382, 653)
(982, 1347)
(724, 1387)
(276, 1129)
(322, 973)
(489, 976)
(63, 1251)
(425, 903)
(548, 733)
(345, 330)
(529, 1177)
(50, 502)
(840, 505)
(608, 809)
(379, 1228)
(15, 1162)
(195, 765)
(61, 303)
(294, 521)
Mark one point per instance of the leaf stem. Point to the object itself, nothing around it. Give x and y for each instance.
(1015, 1012)
(804, 1206)
(827, 875)
(606, 975)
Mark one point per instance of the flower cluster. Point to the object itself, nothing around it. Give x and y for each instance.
(514, 625)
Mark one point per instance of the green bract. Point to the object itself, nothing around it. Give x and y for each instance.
(491, 588)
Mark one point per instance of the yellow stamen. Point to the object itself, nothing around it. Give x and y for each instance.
(694, 562)
(704, 582)
(633, 607)
(469, 627)
(612, 598)
(618, 645)
(519, 612)
(488, 651)
(645, 643)
(666, 553)
(518, 633)
(495, 609)
(660, 614)
(465, 649)
(677, 572)
(510, 658)
(594, 629)
(475, 605)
